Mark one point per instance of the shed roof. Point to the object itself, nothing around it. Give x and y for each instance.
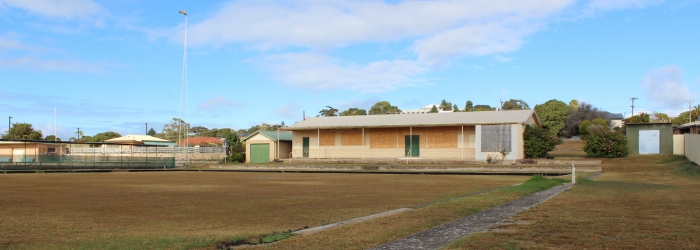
(417, 120)
(284, 135)
(614, 116)
(688, 125)
(140, 139)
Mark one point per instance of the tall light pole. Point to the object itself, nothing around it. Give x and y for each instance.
(147, 128)
(9, 124)
(183, 94)
(78, 134)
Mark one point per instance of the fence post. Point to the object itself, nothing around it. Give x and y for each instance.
(573, 173)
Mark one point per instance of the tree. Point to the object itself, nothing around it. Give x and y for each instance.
(219, 132)
(23, 131)
(199, 130)
(51, 138)
(640, 118)
(176, 129)
(573, 104)
(552, 114)
(469, 107)
(384, 107)
(537, 142)
(330, 111)
(586, 127)
(353, 111)
(584, 112)
(481, 107)
(695, 113)
(681, 119)
(86, 138)
(513, 104)
(434, 109)
(151, 132)
(455, 108)
(445, 105)
(101, 137)
(659, 117)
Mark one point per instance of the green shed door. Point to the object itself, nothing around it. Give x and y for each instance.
(260, 153)
(413, 145)
(305, 149)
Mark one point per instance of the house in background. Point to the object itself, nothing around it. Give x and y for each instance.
(457, 135)
(688, 128)
(616, 119)
(266, 146)
(146, 140)
(201, 142)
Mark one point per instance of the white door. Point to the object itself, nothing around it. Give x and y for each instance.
(648, 142)
(17, 154)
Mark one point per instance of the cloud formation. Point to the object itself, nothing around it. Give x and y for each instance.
(665, 86)
(64, 9)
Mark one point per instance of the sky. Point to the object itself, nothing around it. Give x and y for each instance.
(118, 65)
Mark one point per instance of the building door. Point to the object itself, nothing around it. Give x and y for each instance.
(412, 145)
(260, 153)
(648, 142)
(305, 147)
(17, 154)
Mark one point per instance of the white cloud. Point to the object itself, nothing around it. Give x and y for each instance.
(608, 5)
(64, 9)
(219, 102)
(63, 65)
(665, 87)
(319, 72)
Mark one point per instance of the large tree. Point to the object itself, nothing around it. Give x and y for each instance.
(469, 107)
(176, 129)
(434, 109)
(514, 104)
(353, 111)
(482, 107)
(660, 117)
(681, 119)
(445, 105)
(101, 137)
(573, 104)
(197, 130)
(151, 132)
(640, 118)
(552, 114)
(584, 112)
(23, 131)
(384, 107)
(329, 111)
(51, 138)
(455, 108)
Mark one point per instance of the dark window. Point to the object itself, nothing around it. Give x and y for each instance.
(51, 150)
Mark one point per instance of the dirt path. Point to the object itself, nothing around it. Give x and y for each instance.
(440, 236)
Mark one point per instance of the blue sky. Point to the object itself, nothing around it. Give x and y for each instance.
(116, 65)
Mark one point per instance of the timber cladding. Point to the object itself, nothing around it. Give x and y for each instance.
(351, 139)
(327, 138)
(435, 137)
(385, 138)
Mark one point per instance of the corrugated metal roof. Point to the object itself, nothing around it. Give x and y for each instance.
(138, 138)
(416, 120)
(284, 135)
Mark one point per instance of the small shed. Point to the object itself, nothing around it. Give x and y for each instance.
(649, 138)
(266, 146)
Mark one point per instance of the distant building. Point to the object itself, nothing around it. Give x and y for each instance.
(688, 128)
(266, 146)
(201, 142)
(425, 110)
(616, 119)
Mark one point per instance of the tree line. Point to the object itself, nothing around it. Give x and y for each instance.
(385, 107)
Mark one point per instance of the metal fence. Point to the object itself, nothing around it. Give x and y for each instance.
(44, 155)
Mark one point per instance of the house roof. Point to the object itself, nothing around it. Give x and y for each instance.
(417, 120)
(688, 125)
(201, 140)
(141, 139)
(614, 116)
(284, 135)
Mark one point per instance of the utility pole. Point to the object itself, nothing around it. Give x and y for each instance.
(78, 134)
(501, 100)
(633, 98)
(690, 111)
(9, 124)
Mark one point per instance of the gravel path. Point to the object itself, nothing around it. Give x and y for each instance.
(440, 236)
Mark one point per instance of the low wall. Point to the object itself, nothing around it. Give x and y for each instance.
(503, 169)
(692, 147)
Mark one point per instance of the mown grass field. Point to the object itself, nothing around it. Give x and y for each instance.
(183, 210)
(569, 149)
(640, 202)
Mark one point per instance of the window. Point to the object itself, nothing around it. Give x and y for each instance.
(495, 138)
(51, 150)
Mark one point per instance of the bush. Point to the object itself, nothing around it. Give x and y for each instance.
(606, 144)
(538, 142)
(583, 127)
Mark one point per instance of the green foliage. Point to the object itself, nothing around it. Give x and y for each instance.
(660, 117)
(198, 130)
(151, 132)
(23, 131)
(584, 112)
(176, 129)
(681, 119)
(536, 183)
(455, 108)
(384, 107)
(538, 142)
(445, 105)
(329, 111)
(434, 109)
(604, 143)
(51, 138)
(469, 107)
(353, 111)
(552, 114)
(481, 107)
(640, 118)
(101, 137)
(514, 104)
(573, 104)
(583, 128)
(236, 147)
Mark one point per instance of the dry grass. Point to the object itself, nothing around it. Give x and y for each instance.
(196, 209)
(569, 148)
(641, 202)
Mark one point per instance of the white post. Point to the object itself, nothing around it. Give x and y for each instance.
(573, 173)
(318, 143)
(462, 142)
(363, 143)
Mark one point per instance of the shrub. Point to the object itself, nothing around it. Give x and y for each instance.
(538, 142)
(606, 144)
(583, 127)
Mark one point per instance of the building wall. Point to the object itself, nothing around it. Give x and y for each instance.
(259, 139)
(665, 137)
(31, 150)
(692, 146)
(435, 142)
(517, 150)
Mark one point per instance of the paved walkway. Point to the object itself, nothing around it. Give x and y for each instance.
(440, 236)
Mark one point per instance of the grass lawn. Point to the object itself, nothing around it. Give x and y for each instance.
(640, 202)
(569, 148)
(182, 210)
